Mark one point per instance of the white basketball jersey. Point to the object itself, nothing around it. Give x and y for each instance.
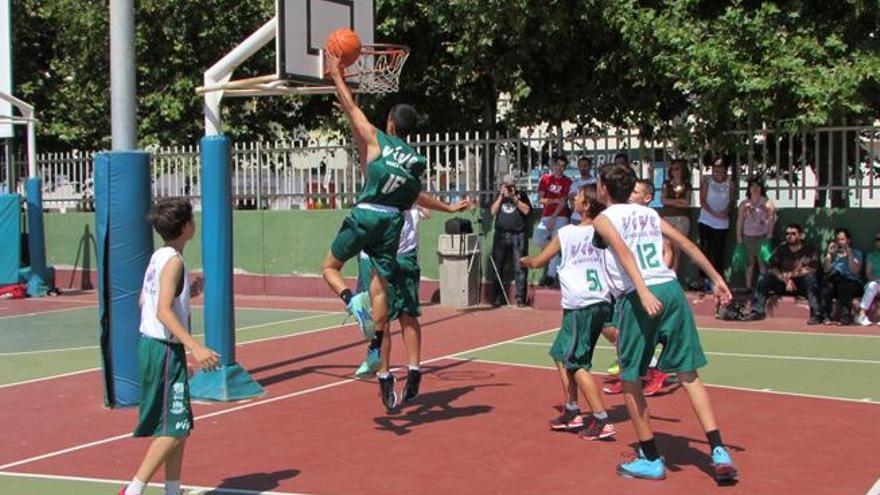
(150, 324)
(409, 234)
(581, 274)
(639, 226)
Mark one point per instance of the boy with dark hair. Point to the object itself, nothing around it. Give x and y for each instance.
(392, 171)
(653, 309)
(165, 411)
(553, 196)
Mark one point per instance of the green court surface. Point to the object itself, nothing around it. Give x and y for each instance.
(10, 484)
(36, 346)
(837, 366)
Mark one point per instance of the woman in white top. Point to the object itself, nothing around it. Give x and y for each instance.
(754, 225)
(714, 220)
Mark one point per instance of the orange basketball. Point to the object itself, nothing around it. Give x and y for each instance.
(346, 44)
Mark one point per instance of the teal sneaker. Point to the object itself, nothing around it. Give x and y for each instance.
(642, 468)
(725, 470)
(370, 365)
(359, 307)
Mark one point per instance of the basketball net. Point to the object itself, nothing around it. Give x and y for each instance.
(376, 71)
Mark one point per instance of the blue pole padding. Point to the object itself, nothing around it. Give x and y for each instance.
(125, 244)
(39, 279)
(217, 246)
(230, 381)
(10, 238)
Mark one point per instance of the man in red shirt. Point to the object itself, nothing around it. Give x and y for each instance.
(553, 192)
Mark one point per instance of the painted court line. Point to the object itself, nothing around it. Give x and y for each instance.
(249, 327)
(875, 490)
(193, 489)
(51, 377)
(458, 357)
(254, 404)
(787, 332)
(744, 355)
(51, 311)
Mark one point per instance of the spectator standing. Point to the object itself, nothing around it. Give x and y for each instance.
(553, 196)
(872, 288)
(676, 199)
(754, 225)
(843, 280)
(793, 269)
(511, 211)
(714, 219)
(587, 177)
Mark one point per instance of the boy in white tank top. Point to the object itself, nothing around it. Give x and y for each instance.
(586, 306)
(653, 309)
(165, 412)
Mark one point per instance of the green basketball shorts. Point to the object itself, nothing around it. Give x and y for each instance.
(674, 327)
(377, 233)
(165, 409)
(576, 339)
(403, 285)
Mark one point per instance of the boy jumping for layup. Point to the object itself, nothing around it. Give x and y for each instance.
(165, 411)
(586, 307)
(392, 170)
(654, 310)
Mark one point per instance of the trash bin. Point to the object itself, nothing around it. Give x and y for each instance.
(459, 270)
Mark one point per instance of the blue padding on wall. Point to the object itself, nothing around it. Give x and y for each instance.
(10, 238)
(39, 282)
(217, 246)
(125, 244)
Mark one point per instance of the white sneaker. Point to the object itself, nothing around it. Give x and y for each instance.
(864, 321)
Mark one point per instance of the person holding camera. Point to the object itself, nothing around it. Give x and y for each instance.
(843, 280)
(511, 211)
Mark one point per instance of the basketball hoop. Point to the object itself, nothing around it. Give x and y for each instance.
(376, 71)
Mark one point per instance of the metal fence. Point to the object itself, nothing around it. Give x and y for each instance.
(801, 170)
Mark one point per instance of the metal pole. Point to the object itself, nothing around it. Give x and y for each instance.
(123, 108)
(11, 181)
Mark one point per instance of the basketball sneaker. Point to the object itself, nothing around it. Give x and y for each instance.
(596, 429)
(567, 421)
(640, 467)
(864, 321)
(386, 391)
(725, 470)
(411, 386)
(359, 307)
(613, 387)
(656, 379)
(370, 365)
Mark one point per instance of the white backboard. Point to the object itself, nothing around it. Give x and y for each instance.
(303, 27)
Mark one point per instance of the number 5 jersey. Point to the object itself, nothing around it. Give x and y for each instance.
(581, 273)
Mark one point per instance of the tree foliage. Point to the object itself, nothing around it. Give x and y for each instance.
(685, 68)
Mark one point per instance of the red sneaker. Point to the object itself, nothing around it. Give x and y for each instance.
(656, 381)
(613, 387)
(122, 490)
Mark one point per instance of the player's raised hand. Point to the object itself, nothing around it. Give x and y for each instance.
(652, 305)
(722, 293)
(333, 66)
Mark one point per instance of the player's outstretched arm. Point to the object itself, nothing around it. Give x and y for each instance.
(430, 202)
(721, 290)
(169, 280)
(364, 131)
(544, 258)
(604, 228)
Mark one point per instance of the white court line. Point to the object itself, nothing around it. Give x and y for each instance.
(239, 329)
(253, 404)
(875, 490)
(729, 387)
(51, 377)
(91, 305)
(786, 332)
(745, 355)
(193, 489)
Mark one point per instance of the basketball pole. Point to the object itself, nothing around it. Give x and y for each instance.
(124, 238)
(230, 381)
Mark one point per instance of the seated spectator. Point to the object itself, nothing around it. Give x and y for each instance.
(872, 288)
(842, 280)
(754, 225)
(793, 269)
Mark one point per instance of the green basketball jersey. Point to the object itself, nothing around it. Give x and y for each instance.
(394, 178)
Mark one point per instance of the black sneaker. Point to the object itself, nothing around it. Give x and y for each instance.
(411, 387)
(846, 321)
(596, 429)
(815, 320)
(386, 390)
(754, 316)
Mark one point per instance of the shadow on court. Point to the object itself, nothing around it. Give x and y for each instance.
(262, 482)
(432, 407)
